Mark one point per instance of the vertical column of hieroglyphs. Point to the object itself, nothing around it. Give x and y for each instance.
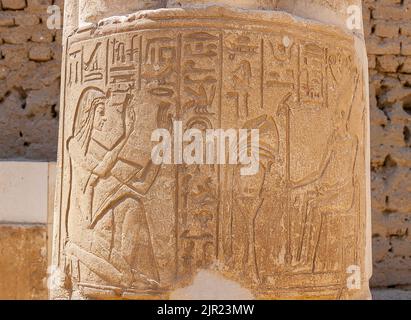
(199, 185)
(129, 227)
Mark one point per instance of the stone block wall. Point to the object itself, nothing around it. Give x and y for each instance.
(24, 213)
(30, 62)
(30, 59)
(388, 34)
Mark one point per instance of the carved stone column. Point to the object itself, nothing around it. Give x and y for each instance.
(299, 227)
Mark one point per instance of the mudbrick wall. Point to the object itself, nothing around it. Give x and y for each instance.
(30, 58)
(388, 34)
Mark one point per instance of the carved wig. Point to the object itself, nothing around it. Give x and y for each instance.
(85, 113)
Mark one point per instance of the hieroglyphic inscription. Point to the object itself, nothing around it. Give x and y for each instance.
(198, 184)
(122, 235)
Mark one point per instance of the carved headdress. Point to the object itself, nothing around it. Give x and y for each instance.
(268, 143)
(89, 99)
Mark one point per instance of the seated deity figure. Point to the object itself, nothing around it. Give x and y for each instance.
(329, 191)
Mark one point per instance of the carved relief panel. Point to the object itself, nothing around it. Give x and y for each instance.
(127, 227)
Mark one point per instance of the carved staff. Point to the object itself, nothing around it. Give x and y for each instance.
(286, 109)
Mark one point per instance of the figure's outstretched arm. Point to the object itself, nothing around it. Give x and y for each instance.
(145, 180)
(142, 182)
(109, 160)
(111, 157)
(100, 169)
(316, 175)
(78, 156)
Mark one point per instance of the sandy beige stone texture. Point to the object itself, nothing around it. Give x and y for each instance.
(388, 36)
(129, 227)
(32, 133)
(30, 65)
(23, 262)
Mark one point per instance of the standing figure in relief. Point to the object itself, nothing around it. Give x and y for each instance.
(249, 248)
(108, 237)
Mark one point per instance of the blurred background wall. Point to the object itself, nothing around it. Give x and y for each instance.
(30, 58)
(388, 35)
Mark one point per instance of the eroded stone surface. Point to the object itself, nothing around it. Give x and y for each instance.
(129, 228)
(23, 262)
(92, 11)
(387, 28)
(391, 294)
(30, 64)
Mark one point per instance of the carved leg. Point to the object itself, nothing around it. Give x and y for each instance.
(99, 266)
(136, 243)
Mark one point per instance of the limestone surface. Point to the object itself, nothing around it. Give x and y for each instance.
(30, 64)
(128, 227)
(23, 263)
(33, 134)
(388, 32)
